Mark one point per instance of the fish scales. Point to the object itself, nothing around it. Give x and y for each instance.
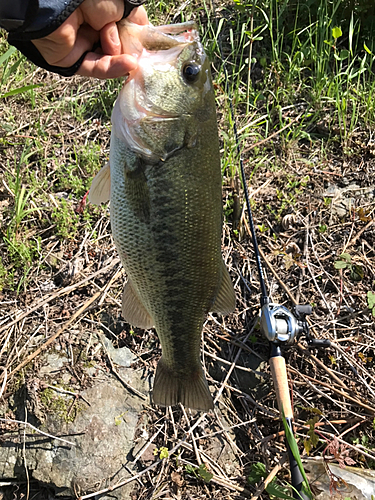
(166, 211)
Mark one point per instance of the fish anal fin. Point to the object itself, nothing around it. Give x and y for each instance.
(133, 311)
(225, 300)
(171, 388)
(100, 190)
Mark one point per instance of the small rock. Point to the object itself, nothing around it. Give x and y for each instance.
(121, 356)
(53, 364)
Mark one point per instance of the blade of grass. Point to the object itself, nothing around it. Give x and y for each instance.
(20, 90)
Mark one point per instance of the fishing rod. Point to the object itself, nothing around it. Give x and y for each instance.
(280, 327)
(278, 324)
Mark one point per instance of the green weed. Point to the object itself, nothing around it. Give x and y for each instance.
(66, 219)
(22, 245)
(355, 270)
(162, 452)
(258, 473)
(200, 472)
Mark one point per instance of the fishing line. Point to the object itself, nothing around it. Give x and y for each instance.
(277, 323)
(264, 298)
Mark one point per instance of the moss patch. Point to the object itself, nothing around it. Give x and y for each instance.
(64, 406)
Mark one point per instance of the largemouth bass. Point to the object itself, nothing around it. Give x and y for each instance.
(164, 183)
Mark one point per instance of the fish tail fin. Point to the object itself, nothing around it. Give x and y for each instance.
(170, 388)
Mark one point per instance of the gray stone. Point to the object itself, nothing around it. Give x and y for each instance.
(359, 484)
(106, 434)
(344, 199)
(122, 356)
(103, 437)
(53, 363)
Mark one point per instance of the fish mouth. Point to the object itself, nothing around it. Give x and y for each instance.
(167, 36)
(182, 32)
(155, 115)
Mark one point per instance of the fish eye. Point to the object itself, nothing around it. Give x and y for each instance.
(191, 72)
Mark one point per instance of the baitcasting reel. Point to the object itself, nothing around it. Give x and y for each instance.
(280, 325)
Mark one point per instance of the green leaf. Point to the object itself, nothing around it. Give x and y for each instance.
(313, 439)
(13, 68)
(344, 54)
(278, 491)
(356, 272)
(367, 49)
(119, 418)
(258, 472)
(346, 256)
(340, 264)
(307, 445)
(371, 299)
(204, 473)
(336, 32)
(163, 452)
(294, 449)
(190, 469)
(7, 55)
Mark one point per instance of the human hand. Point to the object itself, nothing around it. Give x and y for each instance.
(90, 23)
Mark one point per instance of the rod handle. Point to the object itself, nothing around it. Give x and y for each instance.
(280, 380)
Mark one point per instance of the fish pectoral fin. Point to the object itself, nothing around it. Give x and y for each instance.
(225, 300)
(100, 190)
(137, 193)
(133, 311)
(170, 388)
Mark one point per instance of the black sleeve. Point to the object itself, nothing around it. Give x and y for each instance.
(27, 20)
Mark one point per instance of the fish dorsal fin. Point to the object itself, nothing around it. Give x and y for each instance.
(133, 310)
(100, 190)
(225, 300)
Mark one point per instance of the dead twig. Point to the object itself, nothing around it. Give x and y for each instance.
(270, 477)
(76, 315)
(59, 293)
(27, 424)
(48, 342)
(345, 395)
(358, 235)
(124, 383)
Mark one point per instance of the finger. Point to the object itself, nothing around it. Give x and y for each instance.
(99, 13)
(138, 16)
(110, 40)
(104, 66)
(86, 38)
